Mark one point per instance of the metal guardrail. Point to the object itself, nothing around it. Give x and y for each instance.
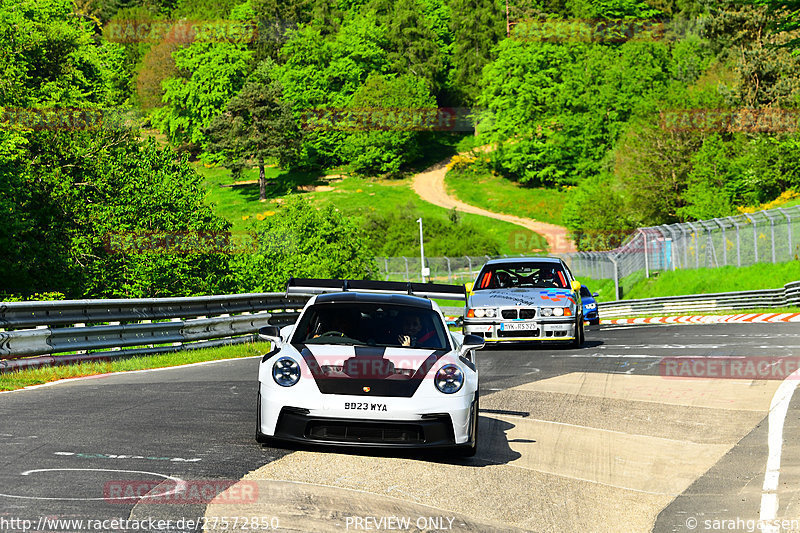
(789, 295)
(116, 326)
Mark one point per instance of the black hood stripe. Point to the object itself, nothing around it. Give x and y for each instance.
(368, 386)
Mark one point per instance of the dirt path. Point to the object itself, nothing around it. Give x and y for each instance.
(429, 185)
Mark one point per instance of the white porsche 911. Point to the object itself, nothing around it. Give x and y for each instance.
(369, 364)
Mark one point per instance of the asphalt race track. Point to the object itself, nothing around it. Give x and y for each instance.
(605, 438)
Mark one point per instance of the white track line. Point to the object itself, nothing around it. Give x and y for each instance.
(777, 416)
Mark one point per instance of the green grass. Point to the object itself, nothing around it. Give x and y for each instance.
(699, 281)
(240, 204)
(352, 196)
(710, 280)
(37, 376)
(500, 195)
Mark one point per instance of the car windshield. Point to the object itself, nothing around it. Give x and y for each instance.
(585, 292)
(371, 324)
(521, 275)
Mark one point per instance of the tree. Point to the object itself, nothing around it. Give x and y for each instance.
(211, 73)
(413, 46)
(256, 124)
(477, 26)
(303, 241)
(393, 110)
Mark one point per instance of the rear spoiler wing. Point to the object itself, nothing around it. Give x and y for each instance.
(424, 290)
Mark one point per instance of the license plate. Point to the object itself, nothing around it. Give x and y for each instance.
(517, 326)
(365, 406)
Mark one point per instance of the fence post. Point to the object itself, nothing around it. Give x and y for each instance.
(696, 246)
(616, 276)
(788, 228)
(449, 272)
(646, 262)
(771, 233)
(738, 240)
(469, 263)
(386, 264)
(724, 242)
(755, 236)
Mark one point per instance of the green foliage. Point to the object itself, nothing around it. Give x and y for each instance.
(476, 27)
(414, 48)
(303, 241)
(48, 57)
(384, 152)
(257, 124)
(211, 73)
(79, 196)
(396, 233)
(556, 109)
(596, 216)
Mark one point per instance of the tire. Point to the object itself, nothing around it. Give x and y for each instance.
(579, 334)
(260, 437)
(469, 450)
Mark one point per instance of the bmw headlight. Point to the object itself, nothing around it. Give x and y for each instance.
(286, 372)
(480, 313)
(558, 311)
(547, 311)
(449, 379)
(491, 313)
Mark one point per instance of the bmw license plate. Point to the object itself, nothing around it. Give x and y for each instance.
(517, 326)
(366, 406)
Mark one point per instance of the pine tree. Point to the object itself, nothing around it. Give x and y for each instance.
(257, 124)
(477, 25)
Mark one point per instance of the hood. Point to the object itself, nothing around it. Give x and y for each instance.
(368, 370)
(545, 297)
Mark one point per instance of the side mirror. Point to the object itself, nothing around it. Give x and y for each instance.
(469, 287)
(471, 342)
(270, 333)
(595, 294)
(576, 286)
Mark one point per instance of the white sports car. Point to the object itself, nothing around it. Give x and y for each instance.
(370, 365)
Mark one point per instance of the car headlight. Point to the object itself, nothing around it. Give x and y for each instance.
(449, 379)
(286, 372)
(491, 313)
(556, 311)
(590, 306)
(480, 313)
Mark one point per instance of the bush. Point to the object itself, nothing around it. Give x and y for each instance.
(304, 241)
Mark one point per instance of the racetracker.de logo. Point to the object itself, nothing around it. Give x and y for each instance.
(731, 367)
(51, 119)
(180, 492)
(388, 119)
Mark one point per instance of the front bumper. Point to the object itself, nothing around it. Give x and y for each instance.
(423, 421)
(537, 330)
(433, 431)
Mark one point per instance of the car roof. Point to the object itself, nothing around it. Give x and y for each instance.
(373, 297)
(542, 259)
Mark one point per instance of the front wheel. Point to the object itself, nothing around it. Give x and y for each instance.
(579, 333)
